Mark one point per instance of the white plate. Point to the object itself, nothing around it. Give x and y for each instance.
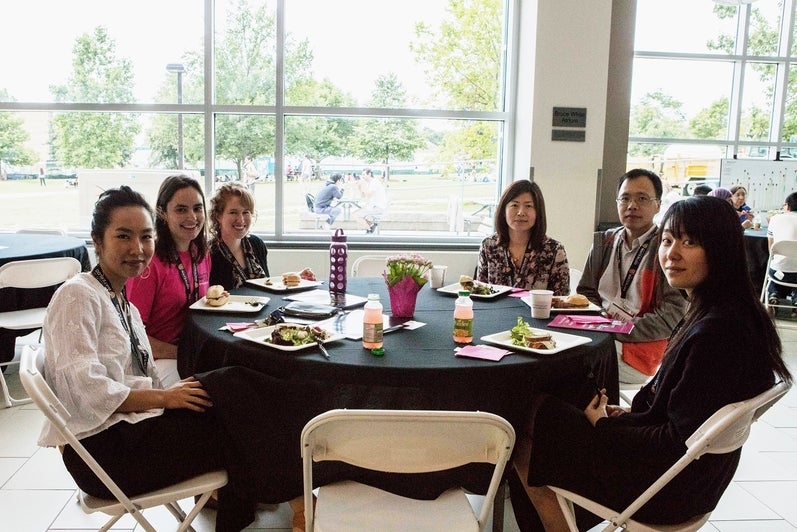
(277, 285)
(260, 335)
(563, 341)
(456, 287)
(591, 308)
(234, 304)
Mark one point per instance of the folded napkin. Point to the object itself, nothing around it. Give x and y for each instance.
(485, 352)
(235, 327)
(519, 292)
(591, 323)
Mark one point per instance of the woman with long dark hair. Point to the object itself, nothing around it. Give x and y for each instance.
(725, 349)
(520, 254)
(179, 272)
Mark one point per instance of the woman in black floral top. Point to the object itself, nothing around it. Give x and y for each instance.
(519, 254)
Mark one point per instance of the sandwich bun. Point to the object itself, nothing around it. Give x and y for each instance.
(577, 300)
(571, 301)
(466, 282)
(216, 296)
(539, 340)
(291, 279)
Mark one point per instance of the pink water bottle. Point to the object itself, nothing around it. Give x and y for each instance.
(338, 253)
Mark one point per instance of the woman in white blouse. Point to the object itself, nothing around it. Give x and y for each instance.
(98, 361)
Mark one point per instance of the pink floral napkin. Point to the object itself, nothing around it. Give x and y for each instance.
(235, 327)
(485, 352)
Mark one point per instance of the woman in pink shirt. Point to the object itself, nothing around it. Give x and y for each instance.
(179, 272)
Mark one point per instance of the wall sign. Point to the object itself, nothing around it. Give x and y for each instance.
(572, 135)
(569, 117)
(574, 118)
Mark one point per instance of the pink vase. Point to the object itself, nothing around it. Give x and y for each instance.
(403, 296)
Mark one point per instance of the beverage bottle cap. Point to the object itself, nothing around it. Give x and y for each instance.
(339, 236)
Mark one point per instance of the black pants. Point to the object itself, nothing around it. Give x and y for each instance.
(156, 452)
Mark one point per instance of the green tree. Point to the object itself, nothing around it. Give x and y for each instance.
(656, 115)
(464, 56)
(762, 40)
(319, 137)
(463, 59)
(95, 140)
(246, 75)
(387, 139)
(712, 122)
(13, 137)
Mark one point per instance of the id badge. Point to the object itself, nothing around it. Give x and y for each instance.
(618, 311)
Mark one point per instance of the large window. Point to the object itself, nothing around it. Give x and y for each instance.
(414, 91)
(711, 80)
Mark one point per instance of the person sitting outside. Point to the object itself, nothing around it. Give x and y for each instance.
(781, 227)
(623, 276)
(323, 200)
(374, 198)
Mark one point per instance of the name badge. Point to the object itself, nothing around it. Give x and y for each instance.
(617, 311)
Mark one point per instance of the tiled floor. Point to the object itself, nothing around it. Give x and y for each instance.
(37, 494)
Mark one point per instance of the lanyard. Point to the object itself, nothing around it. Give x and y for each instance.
(517, 272)
(629, 276)
(140, 354)
(191, 295)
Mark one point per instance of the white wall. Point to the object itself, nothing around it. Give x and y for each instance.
(564, 58)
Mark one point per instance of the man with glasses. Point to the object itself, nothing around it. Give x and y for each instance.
(623, 276)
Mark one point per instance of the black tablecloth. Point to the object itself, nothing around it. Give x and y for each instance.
(20, 246)
(419, 369)
(757, 250)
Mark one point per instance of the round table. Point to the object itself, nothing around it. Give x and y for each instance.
(419, 369)
(24, 246)
(756, 246)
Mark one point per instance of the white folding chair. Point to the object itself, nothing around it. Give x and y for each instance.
(28, 274)
(575, 277)
(725, 431)
(201, 485)
(369, 266)
(786, 248)
(401, 441)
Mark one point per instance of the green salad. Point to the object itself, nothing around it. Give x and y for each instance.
(520, 331)
(295, 335)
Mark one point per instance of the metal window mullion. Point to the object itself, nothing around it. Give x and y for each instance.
(737, 84)
(279, 126)
(782, 74)
(209, 93)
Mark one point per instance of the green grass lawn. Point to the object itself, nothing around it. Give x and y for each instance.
(27, 204)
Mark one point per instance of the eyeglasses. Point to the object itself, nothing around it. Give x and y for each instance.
(641, 201)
